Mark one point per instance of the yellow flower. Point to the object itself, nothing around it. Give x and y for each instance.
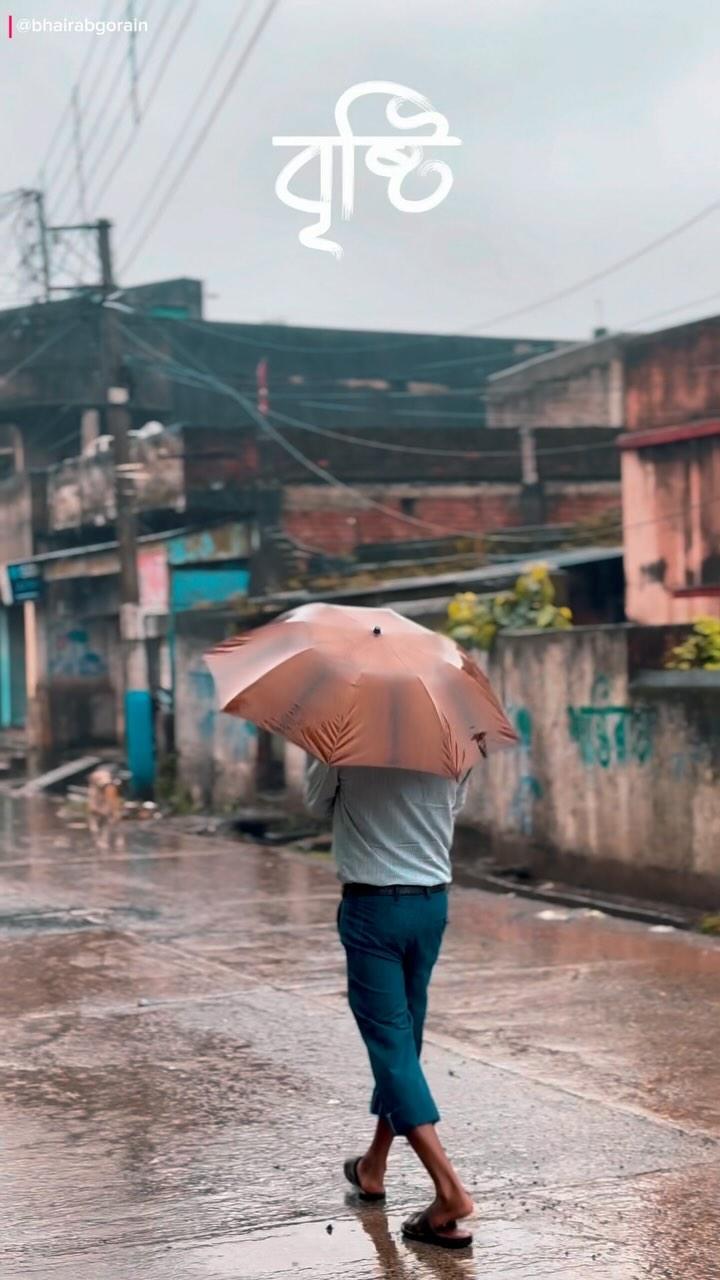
(462, 608)
(707, 626)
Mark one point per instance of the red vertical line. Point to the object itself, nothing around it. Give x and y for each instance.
(10, 30)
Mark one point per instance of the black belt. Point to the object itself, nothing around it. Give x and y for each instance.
(373, 890)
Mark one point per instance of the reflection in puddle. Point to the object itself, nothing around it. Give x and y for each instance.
(368, 1245)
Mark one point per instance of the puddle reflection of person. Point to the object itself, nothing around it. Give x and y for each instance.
(394, 1259)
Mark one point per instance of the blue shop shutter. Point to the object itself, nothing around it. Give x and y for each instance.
(195, 588)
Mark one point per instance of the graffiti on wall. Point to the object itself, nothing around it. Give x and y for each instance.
(229, 733)
(608, 734)
(74, 655)
(202, 699)
(684, 764)
(528, 789)
(522, 805)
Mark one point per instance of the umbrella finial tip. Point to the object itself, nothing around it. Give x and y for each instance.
(377, 631)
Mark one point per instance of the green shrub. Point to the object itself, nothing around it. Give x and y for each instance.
(701, 650)
(474, 621)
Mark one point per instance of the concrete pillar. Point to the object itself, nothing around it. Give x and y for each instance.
(5, 675)
(89, 427)
(528, 457)
(38, 728)
(532, 496)
(11, 444)
(617, 393)
(139, 720)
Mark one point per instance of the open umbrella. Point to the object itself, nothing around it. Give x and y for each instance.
(357, 686)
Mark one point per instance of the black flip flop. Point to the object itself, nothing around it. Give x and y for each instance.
(419, 1230)
(350, 1169)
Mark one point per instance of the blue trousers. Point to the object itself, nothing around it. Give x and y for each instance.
(391, 943)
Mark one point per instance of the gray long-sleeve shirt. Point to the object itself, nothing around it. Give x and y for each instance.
(390, 826)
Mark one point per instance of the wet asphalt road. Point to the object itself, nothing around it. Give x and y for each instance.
(181, 1079)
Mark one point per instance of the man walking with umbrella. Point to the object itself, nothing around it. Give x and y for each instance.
(392, 830)
(395, 717)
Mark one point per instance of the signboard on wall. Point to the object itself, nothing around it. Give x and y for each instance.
(207, 586)
(208, 546)
(153, 579)
(20, 582)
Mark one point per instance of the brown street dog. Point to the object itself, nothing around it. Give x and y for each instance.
(105, 805)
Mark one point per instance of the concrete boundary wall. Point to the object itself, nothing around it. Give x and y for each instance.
(216, 753)
(616, 780)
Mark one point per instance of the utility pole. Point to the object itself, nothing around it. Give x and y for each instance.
(34, 252)
(39, 199)
(267, 506)
(118, 423)
(532, 497)
(132, 61)
(137, 701)
(79, 158)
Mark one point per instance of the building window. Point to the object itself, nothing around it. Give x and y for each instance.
(408, 506)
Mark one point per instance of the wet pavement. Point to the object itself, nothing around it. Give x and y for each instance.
(181, 1078)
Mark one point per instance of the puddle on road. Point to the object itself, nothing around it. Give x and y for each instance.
(368, 1246)
(130, 1125)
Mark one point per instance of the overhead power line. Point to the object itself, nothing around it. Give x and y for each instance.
(418, 450)
(190, 115)
(547, 300)
(129, 99)
(10, 203)
(377, 444)
(352, 402)
(52, 172)
(202, 134)
(93, 46)
(54, 338)
(422, 340)
(91, 131)
(59, 200)
(116, 161)
(603, 273)
(671, 311)
(611, 269)
(191, 375)
(391, 343)
(44, 436)
(79, 155)
(198, 378)
(334, 481)
(215, 330)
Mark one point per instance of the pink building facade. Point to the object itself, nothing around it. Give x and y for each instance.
(671, 475)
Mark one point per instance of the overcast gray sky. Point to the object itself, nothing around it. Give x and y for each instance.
(589, 128)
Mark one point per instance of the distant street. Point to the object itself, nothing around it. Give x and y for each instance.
(181, 1079)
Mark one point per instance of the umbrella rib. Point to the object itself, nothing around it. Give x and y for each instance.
(290, 658)
(442, 719)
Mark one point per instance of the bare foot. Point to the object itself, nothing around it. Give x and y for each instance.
(446, 1210)
(372, 1177)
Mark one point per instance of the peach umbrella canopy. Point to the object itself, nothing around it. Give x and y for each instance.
(356, 686)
